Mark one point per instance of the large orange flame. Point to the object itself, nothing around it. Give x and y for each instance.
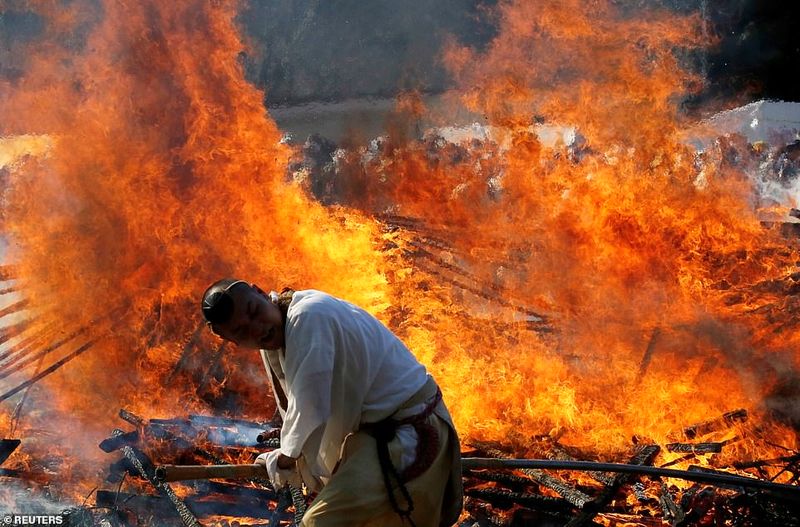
(165, 172)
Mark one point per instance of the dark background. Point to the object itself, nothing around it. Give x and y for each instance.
(329, 50)
(315, 50)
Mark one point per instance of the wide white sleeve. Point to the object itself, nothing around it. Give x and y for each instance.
(310, 352)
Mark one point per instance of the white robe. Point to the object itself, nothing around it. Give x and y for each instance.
(341, 367)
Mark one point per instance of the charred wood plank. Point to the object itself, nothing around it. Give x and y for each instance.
(9, 473)
(503, 478)
(13, 330)
(644, 456)
(266, 435)
(19, 305)
(648, 353)
(574, 496)
(47, 371)
(146, 469)
(699, 474)
(506, 499)
(631, 519)
(671, 510)
(131, 418)
(118, 469)
(556, 451)
(7, 447)
(23, 358)
(723, 422)
(188, 349)
(116, 442)
(765, 462)
(493, 296)
(696, 448)
(484, 514)
(23, 346)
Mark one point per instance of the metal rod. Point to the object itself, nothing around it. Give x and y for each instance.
(699, 477)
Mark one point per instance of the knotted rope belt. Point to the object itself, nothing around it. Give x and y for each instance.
(427, 449)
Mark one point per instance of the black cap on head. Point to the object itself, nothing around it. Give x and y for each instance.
(217, 302)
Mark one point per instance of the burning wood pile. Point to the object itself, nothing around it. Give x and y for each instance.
(535, 497)
(708, 452)
(581, 293)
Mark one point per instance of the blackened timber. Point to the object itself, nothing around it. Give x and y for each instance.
(202, 506)
(484, 513)
(118, 469)
(571, 494)
(21, 359)
(23, 346)
(299, 502)
(644, 456)
(765, 462)
(131, 418)
(190, 346)
(19, 305)
(648, 353)
(699, 474)
(9, 473)
(631, 519)
(44, 373)
(266, 435)
(506, 499)
(672, 511)
(556, 451)
(540, 320)
(13, 330)
(726, 420)
(116, 442)
(145, 468)
(696, 448)
(7, 447)
(503, 478)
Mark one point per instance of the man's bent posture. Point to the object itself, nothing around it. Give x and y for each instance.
(363, 423)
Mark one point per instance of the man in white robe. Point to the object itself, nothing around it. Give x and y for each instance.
(363, 423)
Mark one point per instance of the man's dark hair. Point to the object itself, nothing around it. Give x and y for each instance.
(218, 303)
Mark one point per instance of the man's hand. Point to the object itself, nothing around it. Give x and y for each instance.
(282, 470)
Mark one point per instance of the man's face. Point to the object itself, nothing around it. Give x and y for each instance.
(256, 322)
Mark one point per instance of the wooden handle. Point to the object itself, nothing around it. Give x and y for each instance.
(183, 472)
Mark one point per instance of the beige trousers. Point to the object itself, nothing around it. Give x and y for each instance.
(356, 495)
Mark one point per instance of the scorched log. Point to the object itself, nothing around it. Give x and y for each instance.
(644, 456)
(726, 420)
(145, 468)
(571, 494)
